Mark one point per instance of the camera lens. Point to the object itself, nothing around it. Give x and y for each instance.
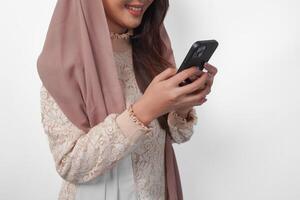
(199, 51)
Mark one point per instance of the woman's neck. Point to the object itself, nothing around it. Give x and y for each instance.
(120, 45)
(121, 42)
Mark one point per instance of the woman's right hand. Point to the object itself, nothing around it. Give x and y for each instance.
(164, 93)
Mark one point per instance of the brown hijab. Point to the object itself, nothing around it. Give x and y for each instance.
(77, 67)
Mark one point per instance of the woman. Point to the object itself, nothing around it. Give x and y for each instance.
(110, 101)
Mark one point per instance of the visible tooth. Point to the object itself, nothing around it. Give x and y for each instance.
(134, 8)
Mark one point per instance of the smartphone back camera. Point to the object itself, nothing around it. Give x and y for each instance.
(199, 51)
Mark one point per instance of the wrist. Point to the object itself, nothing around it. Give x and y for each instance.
(141, 113)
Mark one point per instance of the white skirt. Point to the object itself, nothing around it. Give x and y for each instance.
(116, 184)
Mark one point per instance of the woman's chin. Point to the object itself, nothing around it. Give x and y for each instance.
(132, 24)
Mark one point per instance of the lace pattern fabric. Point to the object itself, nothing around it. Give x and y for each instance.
(181, 129)
(80, 157)
(148, 158)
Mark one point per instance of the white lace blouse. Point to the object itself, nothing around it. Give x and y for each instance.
(116, 153)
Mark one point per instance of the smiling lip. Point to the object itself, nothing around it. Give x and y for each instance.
(136, 4)
(135, 12)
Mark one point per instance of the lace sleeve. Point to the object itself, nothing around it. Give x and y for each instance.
(182, 129)
(79, 157)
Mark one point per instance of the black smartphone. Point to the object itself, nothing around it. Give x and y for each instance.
(199, 53)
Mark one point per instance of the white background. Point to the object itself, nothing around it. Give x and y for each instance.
(246, 143)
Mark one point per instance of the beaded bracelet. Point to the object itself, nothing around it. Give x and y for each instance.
(134, 117)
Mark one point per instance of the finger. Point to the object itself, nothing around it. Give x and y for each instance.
(166, 74)
(202, 100)
(192, 100)
(189, 88)
(197, 97)
(196, 75)
(199, 102)
(184, 74)
(211, 69)
(198, 91)
(210, 80)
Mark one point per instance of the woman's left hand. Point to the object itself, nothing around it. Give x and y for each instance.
(212, 71)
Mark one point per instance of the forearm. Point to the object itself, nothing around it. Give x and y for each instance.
(80, 157)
